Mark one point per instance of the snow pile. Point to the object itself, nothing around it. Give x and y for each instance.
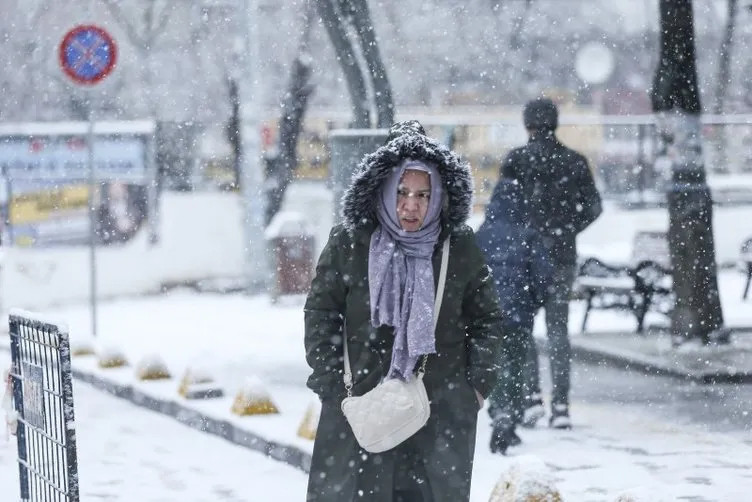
(111, 357)
(310, 422)
(287, 224)
(152, 367)
(253, 399)
(527, 480)
(197, 383)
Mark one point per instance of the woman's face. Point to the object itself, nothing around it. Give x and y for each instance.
(413, 194)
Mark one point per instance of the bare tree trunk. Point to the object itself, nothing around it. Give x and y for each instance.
(382, 91)
(724, 66)
(281, 167)
(233, 130)
(343, 48)
(676, 100)
(722, 81)
(153, 25)
(515, 41)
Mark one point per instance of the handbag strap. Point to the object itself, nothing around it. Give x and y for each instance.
(347, 377)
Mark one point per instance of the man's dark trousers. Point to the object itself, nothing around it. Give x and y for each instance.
(557, 319)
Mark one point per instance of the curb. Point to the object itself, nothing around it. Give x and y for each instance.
(622, 361)
(194, 419)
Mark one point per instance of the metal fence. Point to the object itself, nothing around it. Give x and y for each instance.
(43, 397)
(627, 153)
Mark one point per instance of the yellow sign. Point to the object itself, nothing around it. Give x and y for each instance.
(42, 205)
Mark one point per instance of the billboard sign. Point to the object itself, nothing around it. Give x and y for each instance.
(46, 189)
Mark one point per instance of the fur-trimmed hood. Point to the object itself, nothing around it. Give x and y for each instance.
(407, 140)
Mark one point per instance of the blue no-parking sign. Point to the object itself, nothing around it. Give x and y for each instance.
(87, 54)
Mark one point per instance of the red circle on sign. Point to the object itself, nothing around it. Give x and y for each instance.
(68, 40)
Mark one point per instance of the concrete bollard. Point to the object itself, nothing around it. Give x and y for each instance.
(253, 399)
(199, 384)
(310, 422)
(111, 357)
(152, 368)
(82, 346)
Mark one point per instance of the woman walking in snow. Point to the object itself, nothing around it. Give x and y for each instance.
(375, 285)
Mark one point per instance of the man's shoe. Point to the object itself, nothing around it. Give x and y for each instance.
(560, 417)
(533, 412)
(502, 438)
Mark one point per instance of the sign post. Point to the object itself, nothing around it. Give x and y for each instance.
(87, 55)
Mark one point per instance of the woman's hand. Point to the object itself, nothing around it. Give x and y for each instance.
(480, 399)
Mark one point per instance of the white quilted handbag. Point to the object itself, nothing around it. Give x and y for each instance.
(394, 410)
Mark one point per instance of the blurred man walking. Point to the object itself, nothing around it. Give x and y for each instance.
(561, 201)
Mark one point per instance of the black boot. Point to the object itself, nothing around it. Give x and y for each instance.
(560, 417)
(533, 411)
(503, 437)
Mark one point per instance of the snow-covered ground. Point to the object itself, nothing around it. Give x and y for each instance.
(611, 235)
(128, 454)
(613, 447)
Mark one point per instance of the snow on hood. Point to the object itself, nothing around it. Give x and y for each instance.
(408, 140)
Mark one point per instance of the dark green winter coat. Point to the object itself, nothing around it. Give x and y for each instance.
(466, 340)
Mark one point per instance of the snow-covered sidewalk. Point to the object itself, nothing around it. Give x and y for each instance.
(612, 448)
(127, 454)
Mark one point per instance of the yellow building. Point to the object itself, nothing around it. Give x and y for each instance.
(481, 135)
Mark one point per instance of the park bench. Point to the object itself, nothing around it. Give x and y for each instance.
(640, 286)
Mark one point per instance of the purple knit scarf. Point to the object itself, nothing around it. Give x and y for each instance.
(400, 272)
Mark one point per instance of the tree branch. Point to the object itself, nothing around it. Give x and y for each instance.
(515, 40)
(163, 18)
(724, 70)
(382, 91)
(281, 167)
(344, 50)
(122, 20)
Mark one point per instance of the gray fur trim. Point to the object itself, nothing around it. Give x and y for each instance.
(358, 201)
